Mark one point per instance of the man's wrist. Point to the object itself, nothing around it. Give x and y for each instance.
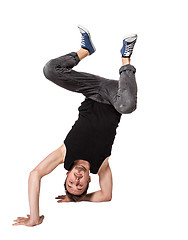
(34, 219)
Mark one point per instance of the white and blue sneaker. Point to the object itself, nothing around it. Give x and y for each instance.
(86, 42)
(128, 45)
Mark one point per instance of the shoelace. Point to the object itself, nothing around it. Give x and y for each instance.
(83, 42)
(129, 47)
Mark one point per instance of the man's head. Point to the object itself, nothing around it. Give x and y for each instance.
(77, 181)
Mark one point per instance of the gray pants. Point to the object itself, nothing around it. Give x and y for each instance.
(121, 94)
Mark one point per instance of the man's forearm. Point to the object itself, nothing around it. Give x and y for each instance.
(98, 196)
(33, 192)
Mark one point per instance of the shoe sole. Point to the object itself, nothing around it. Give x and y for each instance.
(130, 36)
(80, 26)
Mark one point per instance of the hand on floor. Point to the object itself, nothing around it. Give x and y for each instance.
(27, 221)
(63, 198)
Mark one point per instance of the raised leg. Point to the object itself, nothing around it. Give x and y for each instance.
(60, 72)
(126, 98)
(122, 94)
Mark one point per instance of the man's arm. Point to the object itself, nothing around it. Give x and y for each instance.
(105, 182)
(43, 168)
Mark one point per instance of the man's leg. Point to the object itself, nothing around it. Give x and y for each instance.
(122, 94)
(126, 98)
(60, 71)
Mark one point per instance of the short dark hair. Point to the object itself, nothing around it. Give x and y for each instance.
(75, 198)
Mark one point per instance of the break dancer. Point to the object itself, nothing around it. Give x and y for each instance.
(87, 147)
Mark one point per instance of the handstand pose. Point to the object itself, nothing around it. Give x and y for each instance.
(87, 147)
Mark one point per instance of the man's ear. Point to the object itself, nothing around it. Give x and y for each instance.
(67, 173)
(89, 179)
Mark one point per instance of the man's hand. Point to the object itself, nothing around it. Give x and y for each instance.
(27, 221)
(63, 198)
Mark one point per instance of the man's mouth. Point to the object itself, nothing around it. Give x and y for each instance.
(78, 175)
(80, 168)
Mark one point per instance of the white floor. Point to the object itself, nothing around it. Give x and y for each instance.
(149, 156)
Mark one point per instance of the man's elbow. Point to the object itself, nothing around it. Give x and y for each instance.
(35, 174)
(108, 198)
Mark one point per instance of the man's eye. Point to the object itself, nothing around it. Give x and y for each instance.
(80, 185)
(70, 182)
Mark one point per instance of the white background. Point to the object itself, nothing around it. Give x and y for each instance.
(149, 156)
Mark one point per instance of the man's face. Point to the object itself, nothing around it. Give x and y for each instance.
(77, 179)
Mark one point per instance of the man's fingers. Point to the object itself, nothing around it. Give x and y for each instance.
(15, 224)
(19, 220)
(16, 220)
(60, 197)
(18, 223)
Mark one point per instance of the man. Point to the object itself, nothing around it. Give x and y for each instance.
(87, 147)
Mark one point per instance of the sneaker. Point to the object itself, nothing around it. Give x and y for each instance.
(128, 45)
(86, 42)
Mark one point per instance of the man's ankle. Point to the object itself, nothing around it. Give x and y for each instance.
(82, 53)
(125, 61)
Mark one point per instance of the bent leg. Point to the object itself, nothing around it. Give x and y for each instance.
(122, 94)
(60, 72)
(126, 98)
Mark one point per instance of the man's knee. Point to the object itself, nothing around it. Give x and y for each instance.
(49, 69)
(128, 107)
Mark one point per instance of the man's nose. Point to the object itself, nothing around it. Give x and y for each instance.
(78, 176)
(77, 179)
